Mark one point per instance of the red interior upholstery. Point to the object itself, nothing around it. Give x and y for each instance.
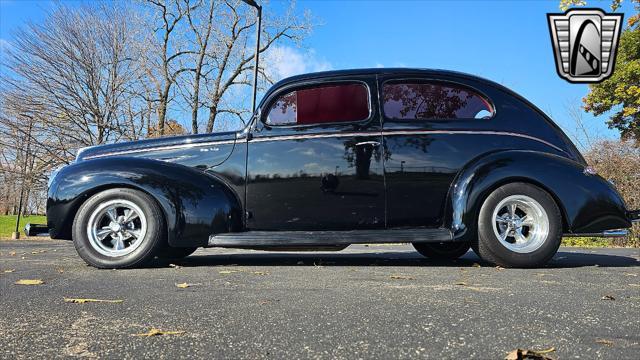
(328, 104)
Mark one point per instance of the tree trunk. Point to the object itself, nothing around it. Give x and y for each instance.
(196, 97)
(162, 112)
(213, 111)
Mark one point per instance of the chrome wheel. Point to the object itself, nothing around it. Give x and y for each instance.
(116, 228)
(520, 223)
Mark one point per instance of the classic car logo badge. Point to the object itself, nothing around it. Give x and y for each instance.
(584, 44)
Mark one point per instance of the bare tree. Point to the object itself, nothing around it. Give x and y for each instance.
(201, 28)
(169, 14)
(73, 72)
(231, 59)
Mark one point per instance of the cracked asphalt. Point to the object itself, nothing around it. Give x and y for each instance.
(377, 302)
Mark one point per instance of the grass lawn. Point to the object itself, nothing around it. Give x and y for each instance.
(8, 223)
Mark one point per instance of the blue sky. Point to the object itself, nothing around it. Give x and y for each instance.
(506, 41)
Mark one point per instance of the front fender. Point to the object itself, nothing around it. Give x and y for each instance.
(195, 204)
(589, 203)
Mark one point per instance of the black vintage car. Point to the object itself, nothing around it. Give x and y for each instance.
(440, 159)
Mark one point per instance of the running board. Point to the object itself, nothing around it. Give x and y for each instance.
(311, 238)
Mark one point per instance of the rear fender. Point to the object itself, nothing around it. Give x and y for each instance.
(195, 205)
(589, 203)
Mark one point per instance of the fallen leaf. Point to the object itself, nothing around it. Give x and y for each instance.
(175, 266)
(82, 301)
(476, 265)
(608, 297)
(520, 354)
(60, 270)
(156, 332)
(461, 283)
(605, 342)
(186, 285)
(499, 268)
(12, 253)
(402, 277)
(634, 285)
(260, 273)
(10, 270)
(29, 282)
(630, 274)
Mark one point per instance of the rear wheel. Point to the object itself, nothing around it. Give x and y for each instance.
(442, 251)
(118, 228)
(519, 225)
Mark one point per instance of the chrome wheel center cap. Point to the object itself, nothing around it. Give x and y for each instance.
(115, 227)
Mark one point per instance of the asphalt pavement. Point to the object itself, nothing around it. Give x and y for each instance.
(370, 302)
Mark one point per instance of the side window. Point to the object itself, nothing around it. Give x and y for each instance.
(433, 100)
(321, 104)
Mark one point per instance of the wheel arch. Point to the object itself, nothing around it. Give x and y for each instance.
(74, 207)
(194, 203)
(527, 180)
(587, 202)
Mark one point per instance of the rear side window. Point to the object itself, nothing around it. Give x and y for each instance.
(433, 100)
(321, 104)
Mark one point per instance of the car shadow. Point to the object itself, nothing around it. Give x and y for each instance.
(563, 259)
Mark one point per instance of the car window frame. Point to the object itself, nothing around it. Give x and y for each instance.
(305, 85)
(421, 80)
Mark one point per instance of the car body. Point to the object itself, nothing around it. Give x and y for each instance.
(352, 156)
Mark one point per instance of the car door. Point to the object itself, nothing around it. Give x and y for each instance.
(314, 158)
(428, 130)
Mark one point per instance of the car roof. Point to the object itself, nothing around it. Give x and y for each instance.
(381, 71)
(378, 71)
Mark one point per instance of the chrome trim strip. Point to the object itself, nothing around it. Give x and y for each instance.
(403, 132)
(314, 136)
(328, 135)
(160, 148)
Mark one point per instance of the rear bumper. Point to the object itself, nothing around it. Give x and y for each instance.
(605, 234)
(632, 215)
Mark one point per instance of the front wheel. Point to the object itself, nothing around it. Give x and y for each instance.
(519, 225)
(118, 228)
(442, 251)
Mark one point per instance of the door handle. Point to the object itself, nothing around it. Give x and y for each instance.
(372, 143)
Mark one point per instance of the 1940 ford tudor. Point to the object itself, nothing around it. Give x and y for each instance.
(443, 160)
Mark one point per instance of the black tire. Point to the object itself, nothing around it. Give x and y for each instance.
(442, 251)
(175, 253)
(150, 244)
(489, 246)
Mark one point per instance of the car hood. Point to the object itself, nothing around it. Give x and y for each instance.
(122, 149)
